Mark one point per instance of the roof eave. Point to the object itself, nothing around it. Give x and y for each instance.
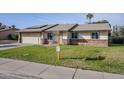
(56, 30)
(27, 31)
(94, 30)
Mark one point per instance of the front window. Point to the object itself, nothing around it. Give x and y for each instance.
(74, 35)
(50, 36)
(95, 35)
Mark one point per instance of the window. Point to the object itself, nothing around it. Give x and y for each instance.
(50, 36)
(74, 35)
(95, 35)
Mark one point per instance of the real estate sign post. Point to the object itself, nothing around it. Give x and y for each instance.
(58, 52)
(58, 46)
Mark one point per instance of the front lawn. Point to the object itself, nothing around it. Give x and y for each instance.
(107, 59)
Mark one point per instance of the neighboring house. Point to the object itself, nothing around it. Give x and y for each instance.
(71, 34)
(5, 32)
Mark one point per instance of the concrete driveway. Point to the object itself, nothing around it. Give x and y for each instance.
(8, 46)
(8, 41)
(15, 69)
(12, 45)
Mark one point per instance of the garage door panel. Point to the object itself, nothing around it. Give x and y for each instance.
(30, 38)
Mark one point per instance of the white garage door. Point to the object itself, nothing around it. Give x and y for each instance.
(30, 38)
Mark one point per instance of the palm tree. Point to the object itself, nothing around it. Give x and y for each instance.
(89, 16)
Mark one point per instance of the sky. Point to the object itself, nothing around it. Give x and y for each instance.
(23, 20)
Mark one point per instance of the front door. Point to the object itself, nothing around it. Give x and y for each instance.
(55, 37)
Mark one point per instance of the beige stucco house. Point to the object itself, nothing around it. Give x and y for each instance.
(5, 32)
(71, 34)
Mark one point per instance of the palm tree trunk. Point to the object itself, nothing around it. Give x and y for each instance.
(89, 20)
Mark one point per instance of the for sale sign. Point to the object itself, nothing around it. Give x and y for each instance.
(57, 48)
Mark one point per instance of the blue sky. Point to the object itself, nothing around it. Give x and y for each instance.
(22, 20)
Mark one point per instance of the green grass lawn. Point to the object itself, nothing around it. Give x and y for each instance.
(106, 59)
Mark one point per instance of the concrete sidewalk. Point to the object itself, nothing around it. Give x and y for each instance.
(14, 69)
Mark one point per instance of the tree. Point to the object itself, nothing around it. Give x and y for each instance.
(0, 24)
(119, 32)
(122, 31)
(13, 26)
(3, 26)
(89, 16)
(101, 21)
(118, 35)
(115, 34)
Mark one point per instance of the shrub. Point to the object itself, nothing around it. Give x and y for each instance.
(95, 58)
(13, 36)
(118, 40)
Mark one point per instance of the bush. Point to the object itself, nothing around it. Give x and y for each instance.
(13, 36)
(118, 40)
(95, 58)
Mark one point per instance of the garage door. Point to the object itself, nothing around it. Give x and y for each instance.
(30, 38)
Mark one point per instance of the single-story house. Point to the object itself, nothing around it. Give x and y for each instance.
(4, 33)
(71, 34)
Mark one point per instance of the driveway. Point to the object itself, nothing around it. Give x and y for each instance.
(15, 69)
(8, 41)
(12, 45)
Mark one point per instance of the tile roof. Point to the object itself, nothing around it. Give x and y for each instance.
(37, 29)
(91, 27)
(62, 27)
(8, 29)
(68, 27)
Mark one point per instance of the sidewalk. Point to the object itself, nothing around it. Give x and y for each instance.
(15, 69)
